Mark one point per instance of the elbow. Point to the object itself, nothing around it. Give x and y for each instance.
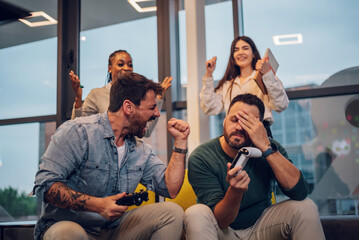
(173, 194)
(223, 225)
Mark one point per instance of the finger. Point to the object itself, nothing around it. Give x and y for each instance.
(232, 172)
(181, 126)
(168, 80)
(119, 196)
(172, 122)
(184, 127)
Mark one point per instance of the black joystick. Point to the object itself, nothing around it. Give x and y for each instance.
(133, 199)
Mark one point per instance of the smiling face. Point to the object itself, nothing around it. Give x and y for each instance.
(145, 112)
(243, 54)
(235, 136)
(121, 62)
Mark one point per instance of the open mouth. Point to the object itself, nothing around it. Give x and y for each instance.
(241, 58)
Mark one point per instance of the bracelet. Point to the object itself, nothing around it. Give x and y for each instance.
(180, 150)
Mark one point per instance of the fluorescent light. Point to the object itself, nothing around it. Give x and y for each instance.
(139, 9)
(288, 39)
(49, 20)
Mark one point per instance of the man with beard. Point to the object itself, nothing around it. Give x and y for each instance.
(92, 162)
(236, 203)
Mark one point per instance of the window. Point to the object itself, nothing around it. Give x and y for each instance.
(21, 147)
(128, 30)
(28, 89)
(311, 43)
(325, 149)
(28, 64)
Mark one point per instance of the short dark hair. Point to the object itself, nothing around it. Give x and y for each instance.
(249, 99)
(133, 87)
(112, 55)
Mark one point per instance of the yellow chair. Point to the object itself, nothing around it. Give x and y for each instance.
(186, 197)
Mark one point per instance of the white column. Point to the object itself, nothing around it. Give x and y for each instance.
(196, 58)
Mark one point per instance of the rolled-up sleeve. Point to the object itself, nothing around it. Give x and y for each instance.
(63, 155)
(154, 175)
(278, 99)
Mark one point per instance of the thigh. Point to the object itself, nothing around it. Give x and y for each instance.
(65, 230)
(201, 224)
(279, 220)
(144, 222)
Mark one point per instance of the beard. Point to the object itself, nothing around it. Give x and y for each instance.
(236, 144)
(138, 127)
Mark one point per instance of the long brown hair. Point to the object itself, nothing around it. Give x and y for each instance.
(233, 70)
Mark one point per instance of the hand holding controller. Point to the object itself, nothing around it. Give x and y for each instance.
(133, 199)
(244, 154)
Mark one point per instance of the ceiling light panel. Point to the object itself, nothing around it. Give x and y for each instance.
(49, 20)
(288, 39)
(134, 4)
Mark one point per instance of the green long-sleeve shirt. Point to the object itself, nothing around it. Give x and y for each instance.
(207, 171)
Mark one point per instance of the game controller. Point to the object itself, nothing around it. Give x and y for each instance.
(133, 199)
(244, 154)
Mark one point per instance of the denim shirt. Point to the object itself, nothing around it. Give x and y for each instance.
(83, 155)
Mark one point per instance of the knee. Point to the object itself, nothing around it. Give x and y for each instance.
(65, 230)
(173, 209)
(198, 214)
(306, 209)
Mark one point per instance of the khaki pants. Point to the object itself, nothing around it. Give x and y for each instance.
(285, 220)
(153, 221)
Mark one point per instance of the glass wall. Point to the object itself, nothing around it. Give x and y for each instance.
(129, 30)
(324, 143)
(21, 147)
(28, 86)
(28, 63)
(28, 79)
(312, 40)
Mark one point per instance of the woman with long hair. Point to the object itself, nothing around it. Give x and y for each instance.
(97, 101)
(243, 62)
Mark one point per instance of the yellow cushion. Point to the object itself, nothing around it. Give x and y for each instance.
(186, 197)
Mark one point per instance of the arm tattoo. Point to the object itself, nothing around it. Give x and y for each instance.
(62, 196)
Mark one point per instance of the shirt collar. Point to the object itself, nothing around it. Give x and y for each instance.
(108, 132)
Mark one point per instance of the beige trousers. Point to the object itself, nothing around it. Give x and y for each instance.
(295, 220)
(153, 221)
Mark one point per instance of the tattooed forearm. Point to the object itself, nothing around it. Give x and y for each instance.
(62, 196)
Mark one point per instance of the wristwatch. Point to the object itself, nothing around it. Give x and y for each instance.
(180, 150)
(272, 148)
